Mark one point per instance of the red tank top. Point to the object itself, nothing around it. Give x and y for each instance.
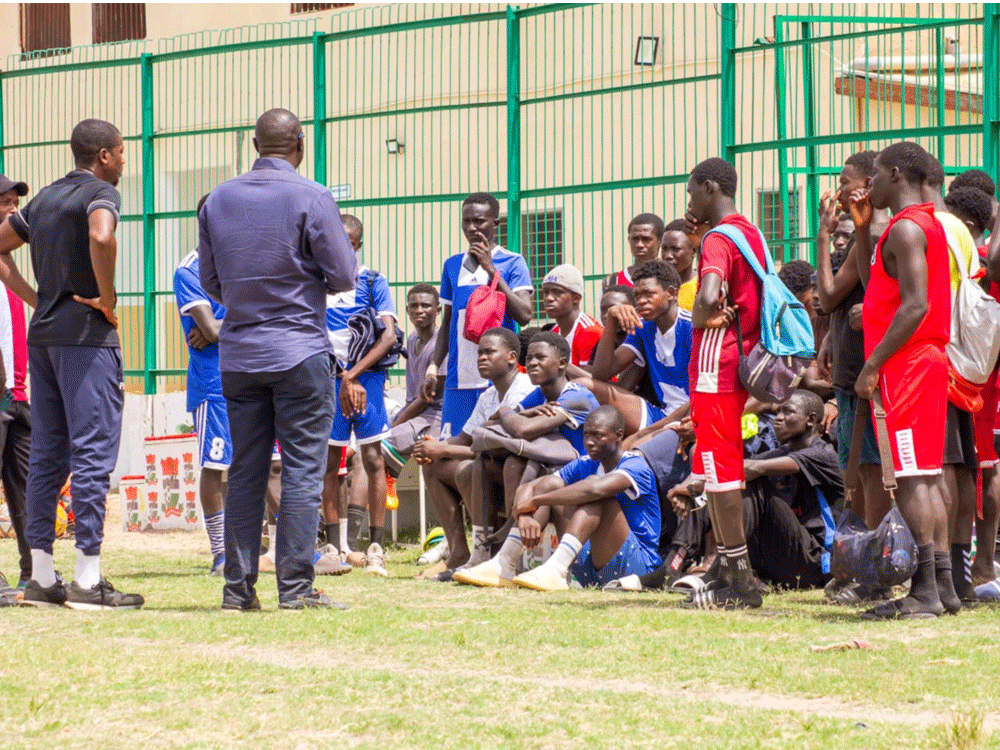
(882, 298)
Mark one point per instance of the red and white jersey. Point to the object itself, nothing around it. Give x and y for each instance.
(582, 338)
(882, 298)
(715, 354)
(14, 342)
(622, 278)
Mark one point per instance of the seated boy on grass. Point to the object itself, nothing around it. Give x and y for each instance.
(604, 506)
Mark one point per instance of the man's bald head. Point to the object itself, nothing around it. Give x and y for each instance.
(279, 134)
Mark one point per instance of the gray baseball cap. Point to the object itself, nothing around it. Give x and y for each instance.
(8, 184)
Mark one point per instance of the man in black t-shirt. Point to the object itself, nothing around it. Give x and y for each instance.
(75, 362)
(793, 494)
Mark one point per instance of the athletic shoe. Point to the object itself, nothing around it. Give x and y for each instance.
(725, 598)
(329, 563)
(376, 561)
(988, 592)
(625, 583)
(101, 596)
(231, 607)
(906, 608)
(315, 599)
(5, 587)
(218, 564)
(8, 594)
(543, 578)
(435, 554)
(51, 596)
(485, 575)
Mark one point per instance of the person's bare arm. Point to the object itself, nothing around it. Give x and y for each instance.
(529, 427)
(9, 273)
(431, 449)
(519, 304)
(353, 396)
(832, 289)
(610, 360)
(862, 213)
(431, 386)
(206, 330)
(710, 309)
(590, 490)
(770, 467)
(413, 409)
(103, 254)
(904, 248)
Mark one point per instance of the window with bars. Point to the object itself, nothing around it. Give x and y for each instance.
(314, 7)
(771, 214)
(541, 246)
(117, 22)
(44, 26)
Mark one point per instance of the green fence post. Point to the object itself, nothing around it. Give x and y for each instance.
(991, 100)
(513, 130)
(781, 130)
(2, 143)
(727, 83)
(809, 115)
(939, 48)
(148, 225)
(319, 105)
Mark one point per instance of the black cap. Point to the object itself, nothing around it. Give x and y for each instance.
(7, 184)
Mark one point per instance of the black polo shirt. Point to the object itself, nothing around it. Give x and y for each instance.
(55, 224)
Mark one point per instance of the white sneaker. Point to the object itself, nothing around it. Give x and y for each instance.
(435, 554)
(376, 561)
(487, 574)
(543, 578)
(625, 583)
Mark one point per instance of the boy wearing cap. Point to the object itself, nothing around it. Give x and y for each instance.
(562, 291)
(15, 422)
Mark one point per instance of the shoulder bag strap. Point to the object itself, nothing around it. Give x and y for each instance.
(884, 449)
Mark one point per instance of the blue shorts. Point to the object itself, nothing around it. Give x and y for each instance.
(215, 446)
(651, 415)
(369, 427)
(627, 560)
(456, 408)
(847, 404)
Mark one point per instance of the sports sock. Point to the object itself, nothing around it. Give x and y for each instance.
(355, 520)
(272, 542)
(739, 567)
(88, 570)
(333, 534)
(376, 533)
(511, 550)
(564, 555)
(342, 544)
(961, 571)
(480, 547)
(42, 568)
(945, 582)
(214, 525)
(923, 586)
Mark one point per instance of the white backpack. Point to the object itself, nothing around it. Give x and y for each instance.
(975, 323)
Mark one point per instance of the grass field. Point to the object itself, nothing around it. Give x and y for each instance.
(416, 664)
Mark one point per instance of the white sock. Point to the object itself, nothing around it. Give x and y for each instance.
(564, 555)
(272, 541)
(480, 549)
(88, 570)
(43, 570)
(343, 538)
(506, 559)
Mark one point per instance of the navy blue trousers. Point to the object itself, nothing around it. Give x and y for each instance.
(296, 407)
(77, 397)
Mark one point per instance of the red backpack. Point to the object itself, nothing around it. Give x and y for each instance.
(485, 310)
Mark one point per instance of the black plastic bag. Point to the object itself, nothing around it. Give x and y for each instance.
(881, 558)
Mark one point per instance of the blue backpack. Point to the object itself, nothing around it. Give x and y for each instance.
(775, 366)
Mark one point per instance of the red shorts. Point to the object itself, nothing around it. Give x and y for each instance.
(718, 448)
(914, 390)
(983, 420)
(342, 471)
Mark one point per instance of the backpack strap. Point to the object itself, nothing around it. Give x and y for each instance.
(739, 239)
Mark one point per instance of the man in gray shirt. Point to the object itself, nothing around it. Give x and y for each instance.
(272, 245)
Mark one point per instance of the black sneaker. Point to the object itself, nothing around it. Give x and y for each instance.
(51, 596)
(101, 596)
(315, 599)
(233, 606)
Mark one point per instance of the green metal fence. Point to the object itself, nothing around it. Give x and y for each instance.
(576, 116)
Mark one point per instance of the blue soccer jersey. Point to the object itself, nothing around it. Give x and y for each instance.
(640, 503)
(457, 284)
(340, 307)
(576, 402)
(203, 378)
(665, 356)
